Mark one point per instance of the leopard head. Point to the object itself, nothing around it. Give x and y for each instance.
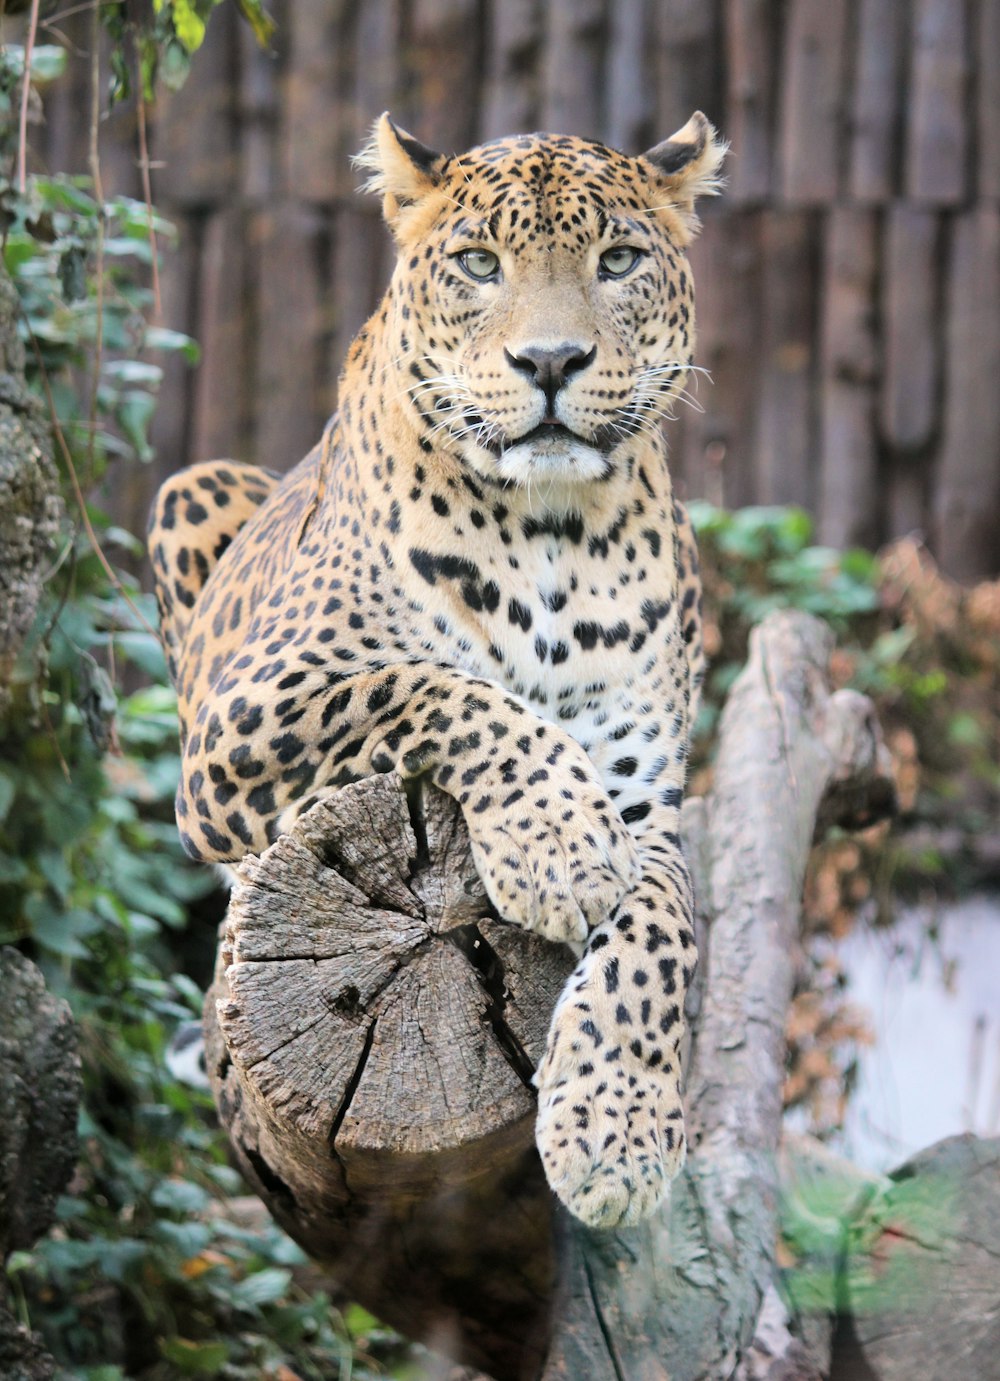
(541, 313)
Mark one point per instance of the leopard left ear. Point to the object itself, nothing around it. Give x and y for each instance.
(399, 167)
(686, 167)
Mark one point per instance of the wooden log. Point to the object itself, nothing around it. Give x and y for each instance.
(376, 1035)
(987, 47)
(443, 71)
(786, 333)
(848, 458)
(686, 47)
(715, 449)
(360, 264)
(287, 247)
(258, 106)
(222, 403)
(812, 105)
(937, 133)
(875, 138)
(192, 132)
(910, 391)
(750, 99)
(629, 112)
(319, 43)
(572, 67)
(967, 500)
(372, 1031)
(513, 46)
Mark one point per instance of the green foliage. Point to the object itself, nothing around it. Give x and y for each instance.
(146, 1274)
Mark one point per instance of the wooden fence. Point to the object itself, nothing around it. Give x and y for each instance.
(848, 282)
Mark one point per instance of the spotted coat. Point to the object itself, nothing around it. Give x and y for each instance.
(480, 574)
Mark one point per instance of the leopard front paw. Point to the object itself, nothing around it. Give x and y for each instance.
(610, 1128)
(559, 869)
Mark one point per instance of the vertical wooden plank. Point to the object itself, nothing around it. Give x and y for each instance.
(513, 56)
(715, 450)
(443, 71)
(258, 107)
(361, 259)
(320, 42)
(221, 413)
(373, 82)
(687, 62)
(936, 137)
(286, 246)
(629, 106)
(911, 317)
(751, 52)
(911, 313)
(849, 496)
(876, 105)
(171, 427)
(967, 501)
(812, 100)
(573, 67)
(988, 99)
(786, 346)
(193, 131)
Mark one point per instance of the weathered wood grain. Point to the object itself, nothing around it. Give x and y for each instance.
(812, 104)
(967, 495)
(785, 343)
(222, 408)
(288, 252)
(572, 67)
(512, 79)
(848, 459)
(876, 115)
(748, 123)
(937, 128)
(913, 349)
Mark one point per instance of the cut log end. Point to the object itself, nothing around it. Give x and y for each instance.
(373, 1030)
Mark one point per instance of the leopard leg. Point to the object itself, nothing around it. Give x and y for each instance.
(610, 1119)
(195, 516)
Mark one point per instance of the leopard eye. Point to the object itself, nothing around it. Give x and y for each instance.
(618, 261)
(481, 264)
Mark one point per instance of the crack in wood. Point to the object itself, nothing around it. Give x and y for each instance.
(352, 1088)
(488, 967)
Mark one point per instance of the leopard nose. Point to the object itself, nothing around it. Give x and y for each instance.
(551, 366)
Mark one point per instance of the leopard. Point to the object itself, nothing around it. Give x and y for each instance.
(481, 576)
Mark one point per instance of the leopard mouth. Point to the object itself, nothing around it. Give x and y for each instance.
(550, 431)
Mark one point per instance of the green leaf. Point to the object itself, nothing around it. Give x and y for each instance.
(7, 793)
(259, 20)
(160, 338)
(188, 25)
(194, 1359)
(263, 1287)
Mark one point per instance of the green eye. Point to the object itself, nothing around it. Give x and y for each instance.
(480, 263)
(617, 262)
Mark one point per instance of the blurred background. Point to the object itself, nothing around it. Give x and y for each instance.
(848, 282)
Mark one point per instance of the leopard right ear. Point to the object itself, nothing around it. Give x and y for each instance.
(400, 169)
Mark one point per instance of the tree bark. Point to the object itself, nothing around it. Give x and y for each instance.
(39, 1097)
(372, 1030)
(30, 505)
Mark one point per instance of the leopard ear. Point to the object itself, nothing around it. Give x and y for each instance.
(686, 167)
(399, 167)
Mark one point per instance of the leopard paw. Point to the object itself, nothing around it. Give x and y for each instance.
(556, 869)
(610, 1126)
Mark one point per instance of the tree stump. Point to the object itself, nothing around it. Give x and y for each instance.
(373, 1027)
